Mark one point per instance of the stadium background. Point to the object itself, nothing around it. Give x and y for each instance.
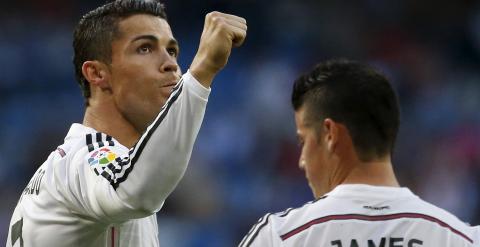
(245, 159)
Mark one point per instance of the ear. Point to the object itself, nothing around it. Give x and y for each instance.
(330, 130)
(97, 74)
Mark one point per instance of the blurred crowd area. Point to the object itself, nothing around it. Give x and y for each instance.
(245, 159)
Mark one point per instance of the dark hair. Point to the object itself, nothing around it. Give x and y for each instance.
(93, 35)
(355, 95)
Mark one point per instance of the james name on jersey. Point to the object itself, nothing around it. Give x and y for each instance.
(383, 242)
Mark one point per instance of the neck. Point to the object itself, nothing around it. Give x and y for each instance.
(104, 117)
(378, 172)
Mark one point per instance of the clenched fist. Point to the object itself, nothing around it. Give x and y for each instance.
(220, 33)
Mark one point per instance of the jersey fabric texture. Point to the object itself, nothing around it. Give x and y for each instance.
(93, 191)
(363, 216)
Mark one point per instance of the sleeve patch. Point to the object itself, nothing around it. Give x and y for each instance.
(101, 157)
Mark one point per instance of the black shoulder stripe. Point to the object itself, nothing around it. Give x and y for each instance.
(89, 142)
(107, 176)
(136, 151)
(248, 240)
(101, 140)
(89, 139)
(286, 212)
(262, 222)
(113, 168)
(98, 136)
(252, 229)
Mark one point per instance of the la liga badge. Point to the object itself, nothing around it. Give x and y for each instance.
(101, 157)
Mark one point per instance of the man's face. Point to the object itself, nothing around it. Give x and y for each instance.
(144, 67)
(313, 158)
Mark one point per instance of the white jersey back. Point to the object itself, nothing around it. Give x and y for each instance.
(363, 216)
(93, 191)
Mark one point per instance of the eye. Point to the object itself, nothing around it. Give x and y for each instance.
(172, 51)
(144, 49)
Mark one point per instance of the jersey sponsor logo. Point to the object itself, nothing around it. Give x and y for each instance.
(376, 207)
(101, 157)
(383, 242)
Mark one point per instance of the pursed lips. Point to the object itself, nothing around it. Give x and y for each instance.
(168, 88)
(170, 84)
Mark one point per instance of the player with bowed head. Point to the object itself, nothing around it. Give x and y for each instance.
(347, 119)
(105, 183)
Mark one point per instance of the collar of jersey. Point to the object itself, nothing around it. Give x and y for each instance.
(362, 190)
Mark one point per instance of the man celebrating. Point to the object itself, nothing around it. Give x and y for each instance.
(103, 186)
(347, 119)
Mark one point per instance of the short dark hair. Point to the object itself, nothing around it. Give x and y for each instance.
(93, 35)
(355, 95)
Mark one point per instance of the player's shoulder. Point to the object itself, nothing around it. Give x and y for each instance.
(100, 149)
(448, 221)
(84, 145)
(295, 212)
(441, 216)
(279, 222)
(293, 217)
(92, 141)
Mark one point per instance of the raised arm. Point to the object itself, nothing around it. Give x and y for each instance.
(135, 185)
(221, 32)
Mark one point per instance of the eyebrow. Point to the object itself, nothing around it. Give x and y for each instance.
(171, 42)
(149, 37)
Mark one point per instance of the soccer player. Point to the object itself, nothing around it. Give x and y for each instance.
(105, 183)
(347, 119)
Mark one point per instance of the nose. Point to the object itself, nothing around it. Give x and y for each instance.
(169, 64)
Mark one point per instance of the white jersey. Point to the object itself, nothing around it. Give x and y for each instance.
(93, 191)
(363, 216)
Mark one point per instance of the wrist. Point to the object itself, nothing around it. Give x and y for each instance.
(203, 71)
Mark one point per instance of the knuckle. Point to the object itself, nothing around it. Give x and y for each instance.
(214, 13)
(218, 21)
(211, 15)
(221, 24)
